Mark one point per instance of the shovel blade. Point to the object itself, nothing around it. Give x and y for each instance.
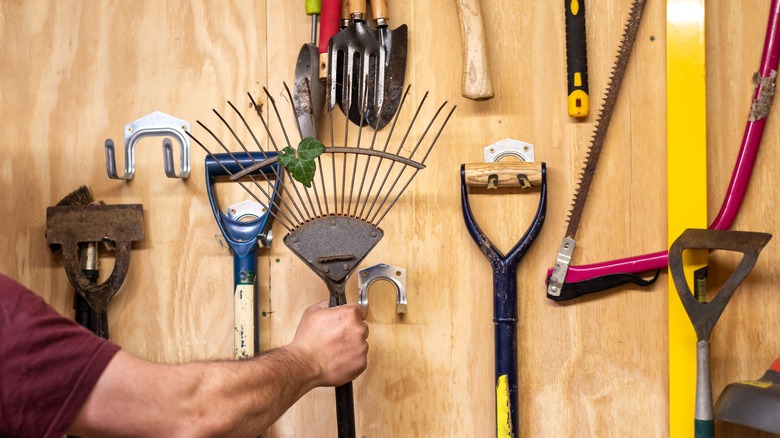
(308, 93)
(394, 44)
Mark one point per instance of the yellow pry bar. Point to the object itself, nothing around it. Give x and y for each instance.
(686, 188)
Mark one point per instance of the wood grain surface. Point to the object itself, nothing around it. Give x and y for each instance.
(74, 73)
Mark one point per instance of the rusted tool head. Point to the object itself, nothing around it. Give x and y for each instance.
(68, 226)
(704, 315)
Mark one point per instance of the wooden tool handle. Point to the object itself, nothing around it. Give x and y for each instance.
(476, 75)
(379, 10)
(356, 7)
(503, 174)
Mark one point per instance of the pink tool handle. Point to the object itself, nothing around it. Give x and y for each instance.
(740, 177)
(329, 22)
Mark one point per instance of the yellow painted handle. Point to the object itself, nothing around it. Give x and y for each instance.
(503, 174)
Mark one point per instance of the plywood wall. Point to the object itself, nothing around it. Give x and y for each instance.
(73, 73)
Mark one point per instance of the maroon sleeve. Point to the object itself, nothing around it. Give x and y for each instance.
(48, 365)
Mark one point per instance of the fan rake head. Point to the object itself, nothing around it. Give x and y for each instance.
(333, 223)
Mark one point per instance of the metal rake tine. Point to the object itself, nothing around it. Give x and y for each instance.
(238, 163)
(400, 148)
(257, 143)
(273, 142)
(368, 162)
(313, 183)
(287, 139)
(363, 107)
(401, 172)
(264, 204)
(430, 148)
(387, 142)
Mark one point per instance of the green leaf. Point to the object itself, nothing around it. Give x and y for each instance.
(310, 148)
(300, 163)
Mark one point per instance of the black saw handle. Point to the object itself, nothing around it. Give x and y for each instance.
(576, 59)
(570, 291)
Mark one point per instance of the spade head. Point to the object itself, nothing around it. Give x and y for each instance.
(309, 93)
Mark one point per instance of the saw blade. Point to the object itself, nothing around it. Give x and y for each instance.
(594, 151)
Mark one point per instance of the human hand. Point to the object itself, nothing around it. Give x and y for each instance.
(334, 341)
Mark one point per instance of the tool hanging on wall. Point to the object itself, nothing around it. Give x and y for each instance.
(558, 277)
(368, 66)
(308, 92)
(705, 315)
(586, 279)
(576, 59)
(88, 254)
(246, 227)
(333, 218)
(475, 82)
(155, 124)
(70, 226)
(753, 403)
(392, 274)
(494, 175)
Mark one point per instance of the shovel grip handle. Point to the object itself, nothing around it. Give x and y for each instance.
(503, 174)
(476, 84)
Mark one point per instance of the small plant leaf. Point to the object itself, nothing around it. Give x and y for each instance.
(300, 163)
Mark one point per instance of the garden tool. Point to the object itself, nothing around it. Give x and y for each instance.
(596, 277)
(245, 230)
(332, 217)
(309, 93)
(704, 315)
(496, 175)
(68, 226)
(367, 67)
(576, 59)
(753, 403)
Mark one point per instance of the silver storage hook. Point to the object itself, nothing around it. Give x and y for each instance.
(156, 124)
(381, 271)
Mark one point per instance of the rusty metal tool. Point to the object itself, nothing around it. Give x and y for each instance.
(494, 175)
(556, 279)
(68, 226)
(476, 83)
(308, 92)
(333, 223)
(367, 67)
(704, 315)
(596, 277)
(576, 59)
(753, 403)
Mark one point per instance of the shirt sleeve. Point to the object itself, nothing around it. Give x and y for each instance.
(48, 365)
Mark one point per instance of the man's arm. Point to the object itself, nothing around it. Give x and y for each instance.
(135, 397)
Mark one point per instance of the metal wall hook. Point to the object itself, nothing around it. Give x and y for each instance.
(381, 271)
(156, 124)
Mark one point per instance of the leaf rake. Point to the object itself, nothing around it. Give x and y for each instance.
(333, 221)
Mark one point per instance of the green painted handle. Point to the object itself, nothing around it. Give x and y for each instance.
(313, 7)
(704, 429)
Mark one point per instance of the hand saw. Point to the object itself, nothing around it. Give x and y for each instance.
(556, 280)
(596, 277)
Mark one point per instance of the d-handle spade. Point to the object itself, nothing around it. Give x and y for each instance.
(704, 315)
(502, 174)
(242, 235)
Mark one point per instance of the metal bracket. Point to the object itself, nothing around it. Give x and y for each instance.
(156, 124)
(396, 276)
(509, 147)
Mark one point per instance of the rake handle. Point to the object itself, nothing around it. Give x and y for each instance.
(345, 405)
